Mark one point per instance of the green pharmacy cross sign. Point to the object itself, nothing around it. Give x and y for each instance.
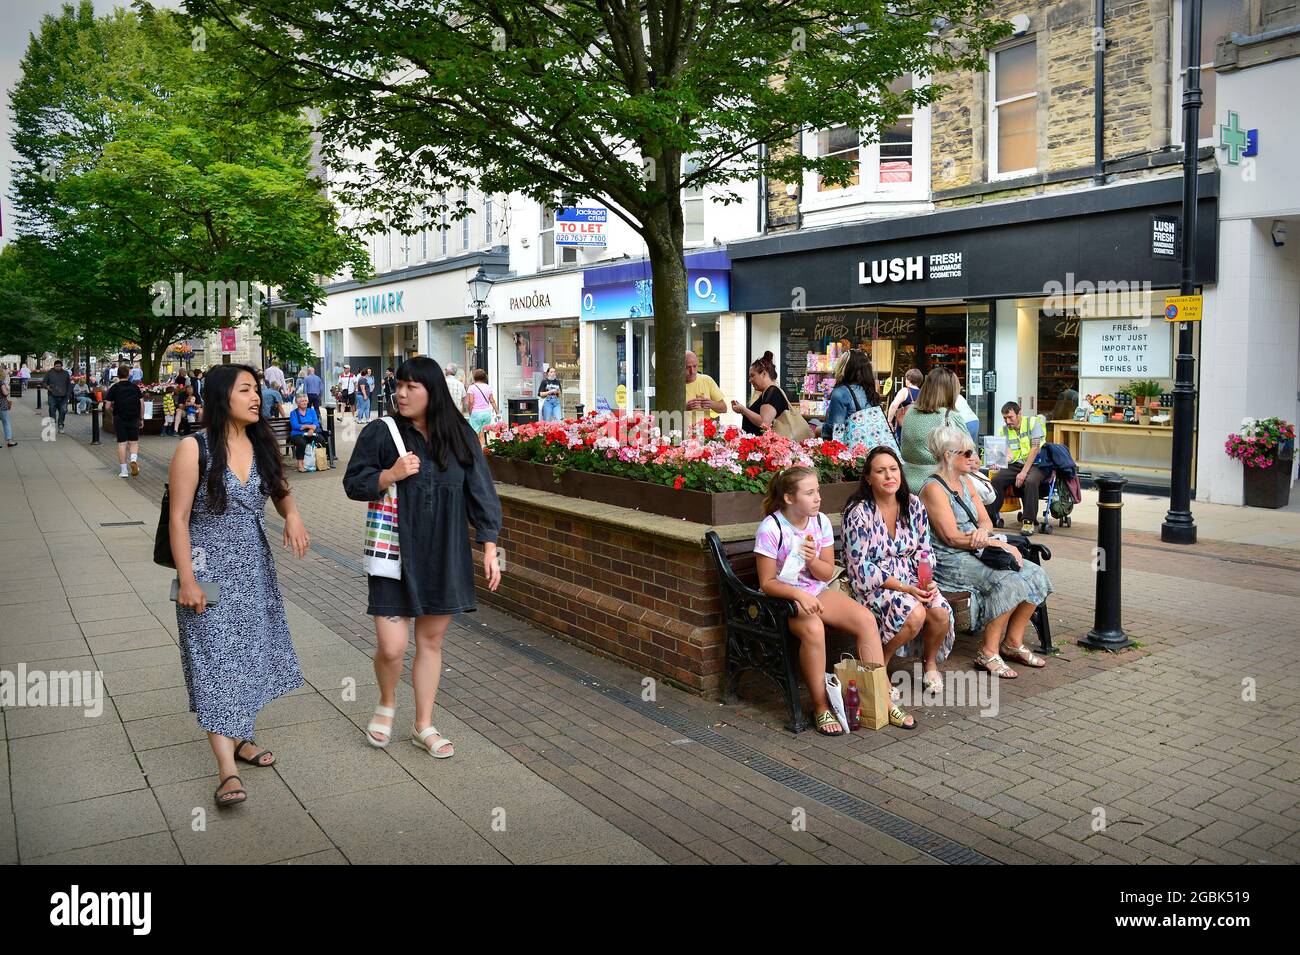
(1237, 141)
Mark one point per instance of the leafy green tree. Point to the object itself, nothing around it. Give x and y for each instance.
(25, 328)
(599, 99)
(285, 345)
(161, 201)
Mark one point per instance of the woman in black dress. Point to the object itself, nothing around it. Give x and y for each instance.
(444, 485)
(771, 401)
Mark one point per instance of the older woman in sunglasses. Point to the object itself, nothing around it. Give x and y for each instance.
(1002, 601)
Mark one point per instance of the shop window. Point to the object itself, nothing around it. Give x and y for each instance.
(442, 221)
(839, 143)
(692, 203)
(892, 164)
(487, 221)
(896, 143)
(464, 223)
(1058, 363)
(1013, 110)
(1218, 19)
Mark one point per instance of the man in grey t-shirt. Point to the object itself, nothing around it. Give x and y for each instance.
(58, 383)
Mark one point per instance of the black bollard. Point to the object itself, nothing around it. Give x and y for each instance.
(94, 422)
(577, 412)
(38, 398)
(329, 441)
(1106, 633)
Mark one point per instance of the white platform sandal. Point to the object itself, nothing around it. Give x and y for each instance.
(375, 727)
(421, 739)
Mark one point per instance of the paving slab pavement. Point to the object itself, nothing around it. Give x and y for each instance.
(1183, 750)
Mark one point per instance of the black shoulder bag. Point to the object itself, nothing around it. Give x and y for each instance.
(995, 557)
(162, 538)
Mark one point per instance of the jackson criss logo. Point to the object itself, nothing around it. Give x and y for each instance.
(75, 908)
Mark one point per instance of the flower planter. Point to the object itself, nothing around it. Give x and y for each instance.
(735, 507)
(1267, 487)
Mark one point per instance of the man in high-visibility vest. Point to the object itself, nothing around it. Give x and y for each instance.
(1025, 434)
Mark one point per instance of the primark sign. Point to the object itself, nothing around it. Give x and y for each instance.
(912, 268)
(380, 303)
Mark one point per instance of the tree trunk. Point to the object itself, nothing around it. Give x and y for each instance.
(666, 248)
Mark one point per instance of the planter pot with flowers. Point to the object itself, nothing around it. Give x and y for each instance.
(1266, 449)
(714, 475)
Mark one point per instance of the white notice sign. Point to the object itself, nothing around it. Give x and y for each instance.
(1124, 348)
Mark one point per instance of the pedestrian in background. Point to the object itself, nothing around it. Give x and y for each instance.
(304, 429)
(58, 386)
(455, 387)
(236, 652)
(550, 391)
(482, 403)
(123, 401)
(365, 391)
(445, 486)
(274, 376)
(312, 386)
(4, 407)
(390, 391)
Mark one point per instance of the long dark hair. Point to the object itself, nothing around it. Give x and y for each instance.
(857, 371)
(447, 427)
(219, 383)
(865, 495)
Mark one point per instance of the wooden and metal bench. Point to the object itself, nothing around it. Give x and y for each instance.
(758, 631)
(281, 429)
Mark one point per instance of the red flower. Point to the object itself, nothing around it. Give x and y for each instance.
(753, 472)
(710, 429)
(678, 482)
(731, 434)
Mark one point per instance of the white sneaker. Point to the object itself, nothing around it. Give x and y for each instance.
(123, 474)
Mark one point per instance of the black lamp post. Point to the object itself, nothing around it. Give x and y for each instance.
(479, 286)
(1179, 527)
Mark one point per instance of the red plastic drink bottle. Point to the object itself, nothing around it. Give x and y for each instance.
(853, 707)
(924, 575)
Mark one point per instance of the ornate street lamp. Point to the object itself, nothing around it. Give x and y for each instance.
(479, 287)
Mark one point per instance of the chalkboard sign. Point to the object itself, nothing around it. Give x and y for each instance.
(802, 332)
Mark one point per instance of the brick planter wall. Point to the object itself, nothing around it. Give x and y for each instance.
(636, 587)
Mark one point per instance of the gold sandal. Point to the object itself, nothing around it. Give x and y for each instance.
(824, 719)
(1022, 654)
(897, 717)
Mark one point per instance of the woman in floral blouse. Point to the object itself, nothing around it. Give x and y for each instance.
(886, 538)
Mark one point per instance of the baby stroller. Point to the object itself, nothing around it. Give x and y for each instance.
(1060, 493)
(1063, 490)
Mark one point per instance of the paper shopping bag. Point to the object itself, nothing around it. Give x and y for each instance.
(873, 690)
(322, 456)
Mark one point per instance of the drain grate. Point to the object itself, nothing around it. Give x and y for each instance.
(904, 830)
(121, 523)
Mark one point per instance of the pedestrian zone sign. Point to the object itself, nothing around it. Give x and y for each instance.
(1183, 308)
